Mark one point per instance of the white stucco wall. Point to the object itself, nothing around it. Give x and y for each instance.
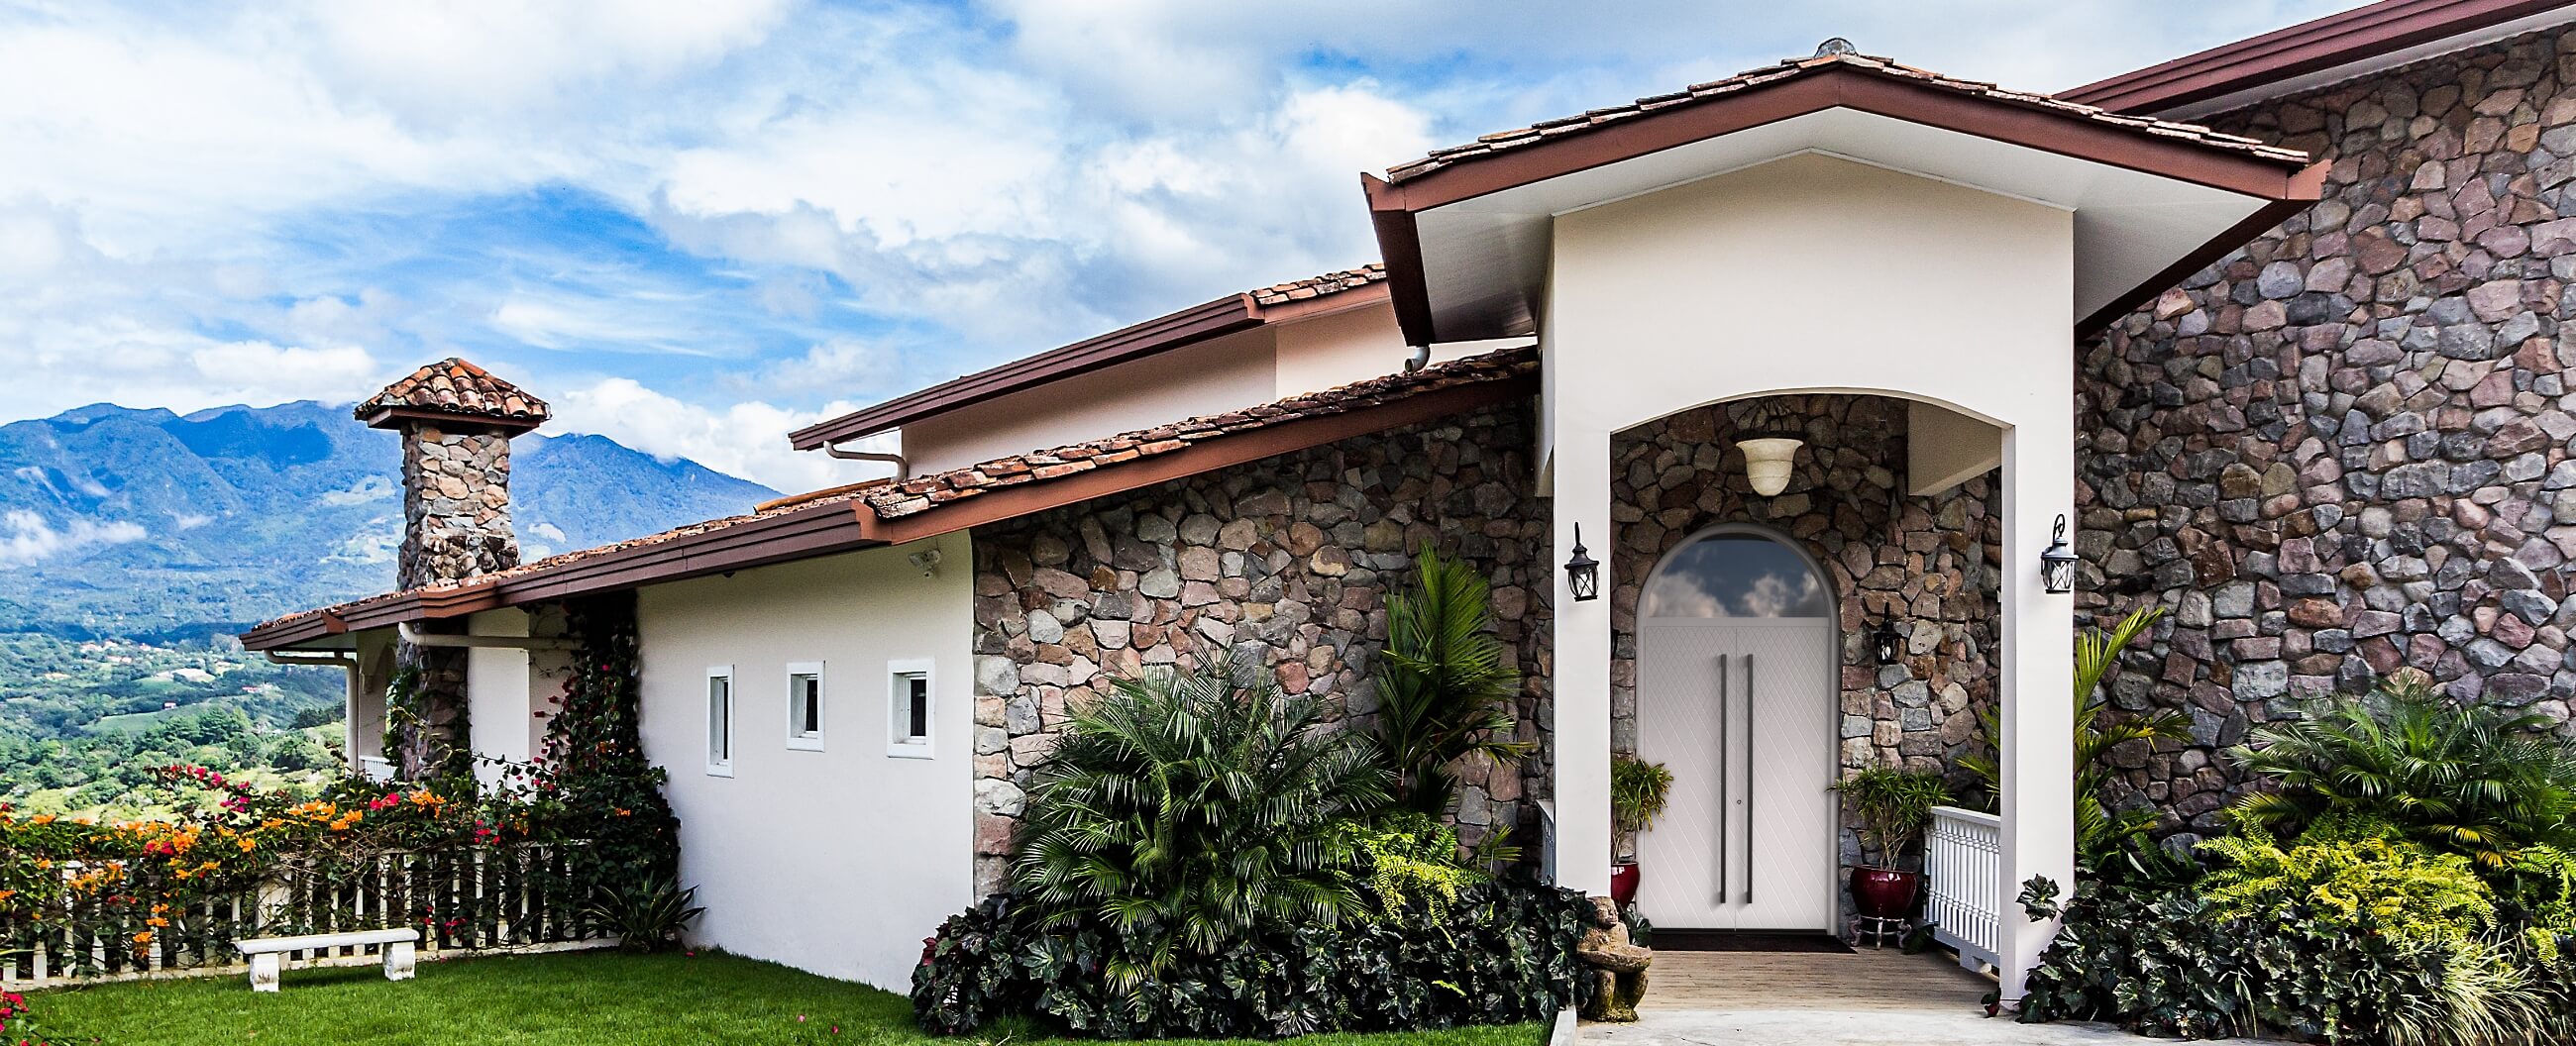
(1222, 374)
(837, 861)
(498, 694)
(1337, 349)
(1811, 273)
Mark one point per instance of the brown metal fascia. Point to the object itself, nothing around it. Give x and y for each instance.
(1399, 243)
(821, 530)
(2263, 219)
(1001, 503)
(1831, 87)
(1189, 326)
(2313, 46)
(288, 633)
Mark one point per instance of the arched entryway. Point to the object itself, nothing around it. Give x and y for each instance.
(1737, 696)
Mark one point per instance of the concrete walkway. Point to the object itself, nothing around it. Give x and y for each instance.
(1874, 998)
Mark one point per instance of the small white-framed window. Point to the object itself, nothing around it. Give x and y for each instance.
(911, 713)
(805, 706)
(720, 720)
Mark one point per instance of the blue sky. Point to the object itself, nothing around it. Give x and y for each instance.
(694, 226)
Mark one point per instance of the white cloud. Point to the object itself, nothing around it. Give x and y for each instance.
(746, 439)
(26, 539)
(977, 181)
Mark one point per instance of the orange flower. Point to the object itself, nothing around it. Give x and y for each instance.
(246, 845)
(143, 938)
(41, 819)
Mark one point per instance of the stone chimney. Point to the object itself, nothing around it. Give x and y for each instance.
(456, 421)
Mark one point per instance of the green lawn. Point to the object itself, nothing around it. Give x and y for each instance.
(576, 999)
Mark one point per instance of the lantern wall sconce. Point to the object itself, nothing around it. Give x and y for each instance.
(1582, 572)
(1884, 638)
(1769, 433)
(2057, 565)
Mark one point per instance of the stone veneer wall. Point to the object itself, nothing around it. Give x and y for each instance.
(1287, 560)
(2345, 449)
(456, 505)
(1925, 564)
(456, 525)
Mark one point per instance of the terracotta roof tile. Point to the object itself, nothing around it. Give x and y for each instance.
(924, 493)
(453, 386)
(1503, 141)
(1319, 286)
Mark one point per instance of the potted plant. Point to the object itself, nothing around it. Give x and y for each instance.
(1892, 807)
(1637, 792)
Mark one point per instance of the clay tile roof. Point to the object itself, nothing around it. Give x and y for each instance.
(924, 493)
(1504, 141)
(1320, 286)
(892, 501)
(455, 388)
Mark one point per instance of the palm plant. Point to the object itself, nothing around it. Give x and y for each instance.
(1893, 807)
(2473, 780)
(2099, 830)
(1444, 684)
(1638, 790)
(1189, 806)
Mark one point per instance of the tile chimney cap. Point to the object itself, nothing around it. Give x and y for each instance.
(455, 391)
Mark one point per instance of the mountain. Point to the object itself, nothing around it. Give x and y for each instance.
(149, 524)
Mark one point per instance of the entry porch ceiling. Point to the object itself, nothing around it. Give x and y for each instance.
(1467, 238)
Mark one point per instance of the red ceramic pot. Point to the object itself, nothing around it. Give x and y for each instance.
(1623, 884)
(1884, 893)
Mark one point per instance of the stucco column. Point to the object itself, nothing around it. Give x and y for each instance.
(1582, 664)
(2036, 677)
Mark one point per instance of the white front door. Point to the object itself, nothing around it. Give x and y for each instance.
(1742, 710)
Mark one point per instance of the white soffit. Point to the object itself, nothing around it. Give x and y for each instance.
(1485, 259)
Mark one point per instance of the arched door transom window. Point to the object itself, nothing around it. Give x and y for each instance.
(1734, 574)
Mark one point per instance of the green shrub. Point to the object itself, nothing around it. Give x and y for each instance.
(1186, 809)
(2354, 881)
(2468, 779)
(2346, 937)
(1503, 954)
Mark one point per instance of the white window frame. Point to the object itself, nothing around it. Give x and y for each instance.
(797, 739)
(720, 763)
(899, 740)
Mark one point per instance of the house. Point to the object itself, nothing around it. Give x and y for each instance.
(1821, 362)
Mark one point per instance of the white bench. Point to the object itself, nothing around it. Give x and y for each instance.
(266, 954)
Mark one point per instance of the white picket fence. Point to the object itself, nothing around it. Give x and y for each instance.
(1963, 866)
(520, 898)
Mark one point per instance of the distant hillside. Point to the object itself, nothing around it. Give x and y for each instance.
(146, 524)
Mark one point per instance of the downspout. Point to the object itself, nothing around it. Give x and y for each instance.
(902, 468)
(1420, 358)
(348, 663)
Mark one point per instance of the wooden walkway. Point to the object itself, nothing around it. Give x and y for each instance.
(1872, 979)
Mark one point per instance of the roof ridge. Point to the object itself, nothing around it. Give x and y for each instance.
(1873, 65)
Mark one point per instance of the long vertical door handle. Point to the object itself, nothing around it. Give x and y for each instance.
(1752, 715)
(1721, 777)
